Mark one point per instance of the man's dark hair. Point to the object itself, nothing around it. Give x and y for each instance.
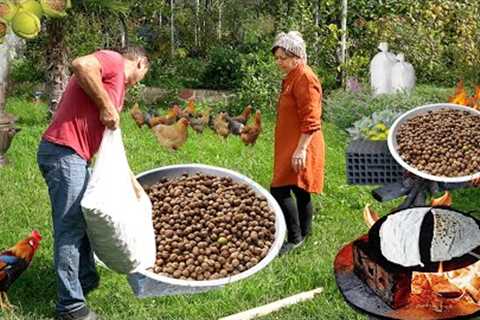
(133, 52)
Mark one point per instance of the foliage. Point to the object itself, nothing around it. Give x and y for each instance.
(24, 70)
(343, 108)
(374, 127)
(181, 73)
(223, 70)
(261, 82)
(438, 37)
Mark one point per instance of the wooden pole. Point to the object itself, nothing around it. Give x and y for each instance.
(274, 306)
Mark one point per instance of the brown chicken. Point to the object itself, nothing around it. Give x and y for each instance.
(172, 136)
(250, 133)
(14, 261)
(243, 117)
(168, 119)
(137, 115)
(220, 125)
(198, 124)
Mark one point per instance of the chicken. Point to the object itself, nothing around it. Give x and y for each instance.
(250, 133)
(168, 119)
(189, 110)
(198, 124)
(220, 125)
(234, 126)
(172, 136)
(14, 261)
(137, 115)
(243, 117)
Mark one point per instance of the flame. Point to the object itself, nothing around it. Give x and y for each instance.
(442, 290)
(476, 98)
(460, 96)
(370, 216)
(445, 200)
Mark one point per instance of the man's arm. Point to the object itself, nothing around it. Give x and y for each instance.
(88, 71)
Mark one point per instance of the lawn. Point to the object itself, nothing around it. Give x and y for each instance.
(24, 205)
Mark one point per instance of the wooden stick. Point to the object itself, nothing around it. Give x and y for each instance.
(274, 306)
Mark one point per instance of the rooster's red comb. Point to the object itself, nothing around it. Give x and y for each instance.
(36, 235)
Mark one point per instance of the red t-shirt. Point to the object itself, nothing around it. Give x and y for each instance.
(76, 123)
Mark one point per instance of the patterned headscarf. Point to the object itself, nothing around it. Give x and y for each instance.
(292, 42)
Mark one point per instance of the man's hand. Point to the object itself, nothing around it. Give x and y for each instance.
(299, 160)
(110, 118)
(136, 186)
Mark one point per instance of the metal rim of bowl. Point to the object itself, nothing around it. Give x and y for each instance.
(392, 141)
(280, 228)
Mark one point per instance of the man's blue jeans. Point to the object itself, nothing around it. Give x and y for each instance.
(66, 175)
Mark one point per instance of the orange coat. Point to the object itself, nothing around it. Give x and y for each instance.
(299, 111)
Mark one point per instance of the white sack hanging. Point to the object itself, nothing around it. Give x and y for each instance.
(119, 225)
(381, 70)
(403, 75)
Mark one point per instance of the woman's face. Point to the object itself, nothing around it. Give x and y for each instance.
(284, 62)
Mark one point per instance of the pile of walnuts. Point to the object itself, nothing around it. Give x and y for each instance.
(209, 227)
(442, 143)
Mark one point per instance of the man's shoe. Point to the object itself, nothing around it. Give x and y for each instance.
(82, 314)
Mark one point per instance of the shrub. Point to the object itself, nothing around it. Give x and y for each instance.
(343, 108)
(223, 70)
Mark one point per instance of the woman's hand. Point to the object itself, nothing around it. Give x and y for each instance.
(476, 182)
(299, 159)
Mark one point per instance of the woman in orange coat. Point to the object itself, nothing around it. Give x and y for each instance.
(299, 146)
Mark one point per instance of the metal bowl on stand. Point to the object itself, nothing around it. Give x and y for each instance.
(146, 283)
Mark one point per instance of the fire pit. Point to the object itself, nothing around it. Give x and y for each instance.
(359, 294)
(430, 290)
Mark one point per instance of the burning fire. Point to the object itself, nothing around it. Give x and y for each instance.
(461, 96)
(442, 290)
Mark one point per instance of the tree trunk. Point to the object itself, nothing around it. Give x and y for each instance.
(123, 32)
(344, 39)
(57, 71)
(172, 27)
(219, 28)
(197, 14)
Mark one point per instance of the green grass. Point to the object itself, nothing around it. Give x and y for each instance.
(24, 205)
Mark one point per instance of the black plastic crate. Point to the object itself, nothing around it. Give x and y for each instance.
(370, 162)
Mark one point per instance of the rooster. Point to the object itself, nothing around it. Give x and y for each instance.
(243, 117)
(137, 115)
(13, 262)
(249, 134)
(172, 136)
(168, 119)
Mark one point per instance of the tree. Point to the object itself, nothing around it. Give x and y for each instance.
(56, 50)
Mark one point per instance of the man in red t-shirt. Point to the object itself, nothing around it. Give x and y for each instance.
(92, 101)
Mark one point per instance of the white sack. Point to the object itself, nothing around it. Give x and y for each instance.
(119, 225)
(381, 70)
(403, 75)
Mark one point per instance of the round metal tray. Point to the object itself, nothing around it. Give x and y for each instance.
(393, 146)
(151, 177)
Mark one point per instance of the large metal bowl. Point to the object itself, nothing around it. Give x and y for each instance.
(146, 283)
(393, 145)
